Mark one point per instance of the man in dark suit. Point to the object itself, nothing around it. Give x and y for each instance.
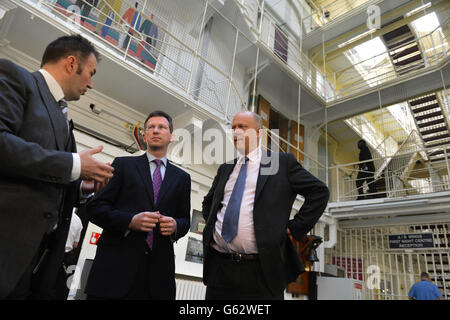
(40, 170)
(366, 171)
(143, 210)
(247, 251)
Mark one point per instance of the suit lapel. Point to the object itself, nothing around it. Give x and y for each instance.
(144, 170)
(226, 172)
(56, 117)
(262, 178)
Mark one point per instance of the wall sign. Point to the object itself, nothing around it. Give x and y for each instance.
(411, 241)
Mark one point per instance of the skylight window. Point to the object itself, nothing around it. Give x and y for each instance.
(370, 59)
(427, 23)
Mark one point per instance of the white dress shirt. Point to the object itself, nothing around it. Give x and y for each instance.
(58, 94)
(74, 232)
(245, 241)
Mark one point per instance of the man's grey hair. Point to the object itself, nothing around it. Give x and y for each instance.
(258, 119)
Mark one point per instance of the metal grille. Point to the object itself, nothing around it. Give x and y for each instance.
(190, 290)
(388, 274)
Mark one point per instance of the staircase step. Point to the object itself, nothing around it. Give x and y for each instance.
(437, 144)
(394, 45)
(439, 129)
(426, 108)
(405, 52)
(434, 138)
(408, 67)
(430, 123)
(437, 159)
(423, 100)
(429, 115)
(397, 33)
(409, 60)
(439, 152)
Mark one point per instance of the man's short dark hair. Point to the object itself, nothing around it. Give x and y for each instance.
(424, 275)
(69, 45)
(159, 113)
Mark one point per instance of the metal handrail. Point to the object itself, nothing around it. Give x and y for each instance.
(161, 70)
(398, 173)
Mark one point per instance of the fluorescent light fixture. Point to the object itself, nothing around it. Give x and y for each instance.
(422, 7)
(356, 38)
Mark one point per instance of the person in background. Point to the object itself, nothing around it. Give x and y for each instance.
(366, 171)
(70, 256)
(424, 289)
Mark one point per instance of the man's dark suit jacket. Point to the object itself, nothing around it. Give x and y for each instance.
(274, 197)
(118, 257)
(35, 168)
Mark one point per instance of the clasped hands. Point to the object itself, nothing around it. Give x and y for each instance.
(146, 221)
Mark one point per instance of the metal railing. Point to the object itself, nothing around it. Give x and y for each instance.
(147, 39)
(151, 40)
(406, 173)
(287, 48)
(436, 50)
(320, 17)
(331, 86)
(272, 141)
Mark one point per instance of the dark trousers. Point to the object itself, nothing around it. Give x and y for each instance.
(23, 289)
(232, 280)
(369, 178)
(140, 290)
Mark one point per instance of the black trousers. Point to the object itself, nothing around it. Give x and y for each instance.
(369, 178)
(232, 280)
(140, 290)
(24, 288)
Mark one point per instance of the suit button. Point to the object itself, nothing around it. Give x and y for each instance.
(47, 215)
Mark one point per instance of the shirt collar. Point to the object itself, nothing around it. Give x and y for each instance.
(53, 85)
(151, 157)
(254, 156)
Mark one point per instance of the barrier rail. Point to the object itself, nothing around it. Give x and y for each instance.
(407, 173)
(146, 37)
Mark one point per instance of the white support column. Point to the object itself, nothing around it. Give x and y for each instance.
(312, 136)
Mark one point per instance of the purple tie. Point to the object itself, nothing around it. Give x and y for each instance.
(157, 181)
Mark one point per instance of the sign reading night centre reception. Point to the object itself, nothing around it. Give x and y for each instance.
(411, 241)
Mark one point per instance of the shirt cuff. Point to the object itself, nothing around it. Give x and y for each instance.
(76, 168)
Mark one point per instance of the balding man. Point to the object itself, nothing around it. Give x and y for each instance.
(247, 251)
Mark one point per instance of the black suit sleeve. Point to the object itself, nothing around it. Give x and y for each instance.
(184, 210)
(208, 199)
(101, 210)
(39, 163)
(316, 196)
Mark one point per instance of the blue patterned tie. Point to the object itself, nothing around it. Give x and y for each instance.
(157, 182)
(231, 217)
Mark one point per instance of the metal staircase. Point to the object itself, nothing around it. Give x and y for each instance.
(433, 126)
(391, 179)
(403, 48)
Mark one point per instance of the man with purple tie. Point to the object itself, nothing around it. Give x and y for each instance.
(143, 210)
